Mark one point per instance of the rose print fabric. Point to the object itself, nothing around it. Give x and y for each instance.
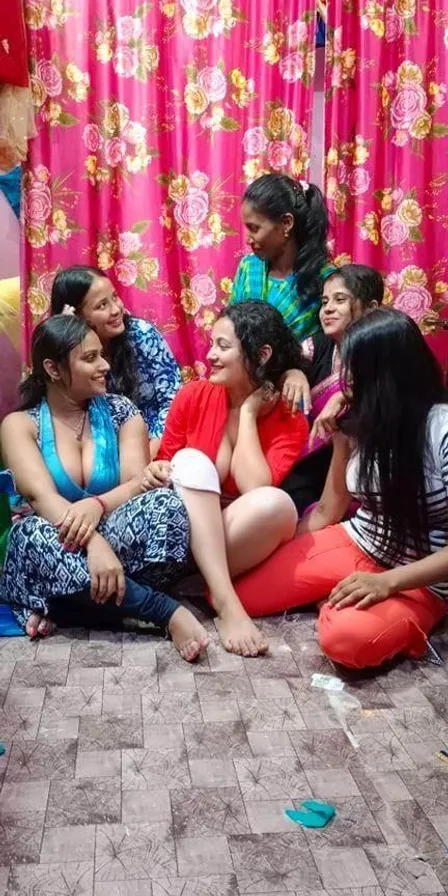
(151, 120)
(386, 149)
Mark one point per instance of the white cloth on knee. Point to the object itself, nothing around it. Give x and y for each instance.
(191, 468)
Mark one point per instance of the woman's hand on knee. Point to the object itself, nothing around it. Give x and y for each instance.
(156, 475)
(106, 572)
(361, 589)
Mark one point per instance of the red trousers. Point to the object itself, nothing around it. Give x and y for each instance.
(306, 569)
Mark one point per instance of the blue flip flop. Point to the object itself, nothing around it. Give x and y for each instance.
(316, 815)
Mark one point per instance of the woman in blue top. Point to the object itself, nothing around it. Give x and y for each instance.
(142, 366)
(286, 223)
(78, 456)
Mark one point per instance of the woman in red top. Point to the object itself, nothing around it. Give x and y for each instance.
(227, 443)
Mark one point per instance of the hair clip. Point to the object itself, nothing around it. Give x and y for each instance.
(69, 311)
(305, 185)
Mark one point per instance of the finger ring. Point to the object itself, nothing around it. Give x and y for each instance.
(83, 526)
(69, 519)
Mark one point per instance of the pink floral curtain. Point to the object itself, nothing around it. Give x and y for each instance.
(151, 119)
(386, 149)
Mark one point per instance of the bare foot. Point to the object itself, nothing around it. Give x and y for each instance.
(39, 625)
(240, 635)
(188, 635)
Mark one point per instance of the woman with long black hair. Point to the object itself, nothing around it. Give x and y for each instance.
(142, 366)
(286, 223)
(384, 571)
(94, 544)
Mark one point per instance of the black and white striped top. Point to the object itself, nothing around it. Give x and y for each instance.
(361, 527)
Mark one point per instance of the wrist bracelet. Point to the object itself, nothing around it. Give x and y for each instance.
(101, 503)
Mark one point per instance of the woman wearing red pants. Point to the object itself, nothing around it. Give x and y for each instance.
(385, 571)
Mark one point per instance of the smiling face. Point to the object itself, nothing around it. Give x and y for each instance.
(266, 238)
(225, 357)
(87, 370)
(103, 309)
(339, 308)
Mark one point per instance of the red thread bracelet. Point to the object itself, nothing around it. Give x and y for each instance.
(101, 502)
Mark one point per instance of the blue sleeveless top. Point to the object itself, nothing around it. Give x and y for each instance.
(106, 415)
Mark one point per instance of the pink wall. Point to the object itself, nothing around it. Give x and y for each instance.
(9, 240)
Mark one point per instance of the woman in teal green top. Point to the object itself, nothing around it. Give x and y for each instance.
(287, 228)
(286, 223)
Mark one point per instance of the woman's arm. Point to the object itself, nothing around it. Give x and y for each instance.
(335, 498)
(22, 455)
(363, 589)
(249, 466)
(134, 455)
(420, 574)
(161, 368)
(79, 523)
(326, 422)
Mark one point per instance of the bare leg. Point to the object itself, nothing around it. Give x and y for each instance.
(255, 525)
(208, 544)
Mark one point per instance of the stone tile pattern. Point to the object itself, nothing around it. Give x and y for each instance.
(129, 773)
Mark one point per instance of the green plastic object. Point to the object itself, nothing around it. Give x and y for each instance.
(316, 815)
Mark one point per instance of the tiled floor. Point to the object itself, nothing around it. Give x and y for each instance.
(129, 773)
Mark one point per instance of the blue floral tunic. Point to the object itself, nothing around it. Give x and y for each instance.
(157, 371)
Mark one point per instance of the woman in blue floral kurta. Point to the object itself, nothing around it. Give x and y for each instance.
(142, 365)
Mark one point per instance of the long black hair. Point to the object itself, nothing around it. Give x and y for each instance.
(393, 382)
(53, 340)
(70, 287)
(257, 324)
(276, 195)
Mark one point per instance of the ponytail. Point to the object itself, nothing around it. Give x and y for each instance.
(311, 232)
(32, 391)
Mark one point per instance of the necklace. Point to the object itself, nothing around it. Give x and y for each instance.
(78, 429)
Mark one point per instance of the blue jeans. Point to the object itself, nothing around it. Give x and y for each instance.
(140, 602)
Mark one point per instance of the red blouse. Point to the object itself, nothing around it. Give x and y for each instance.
(197, 419)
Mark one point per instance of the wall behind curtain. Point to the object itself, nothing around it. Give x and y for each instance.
(386, 148)
(151, 119)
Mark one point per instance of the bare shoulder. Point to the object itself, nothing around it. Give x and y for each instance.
(19, 423)
(134, 425)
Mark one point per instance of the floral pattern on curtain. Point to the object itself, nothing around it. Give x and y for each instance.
(151, 120)
(386, 148)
